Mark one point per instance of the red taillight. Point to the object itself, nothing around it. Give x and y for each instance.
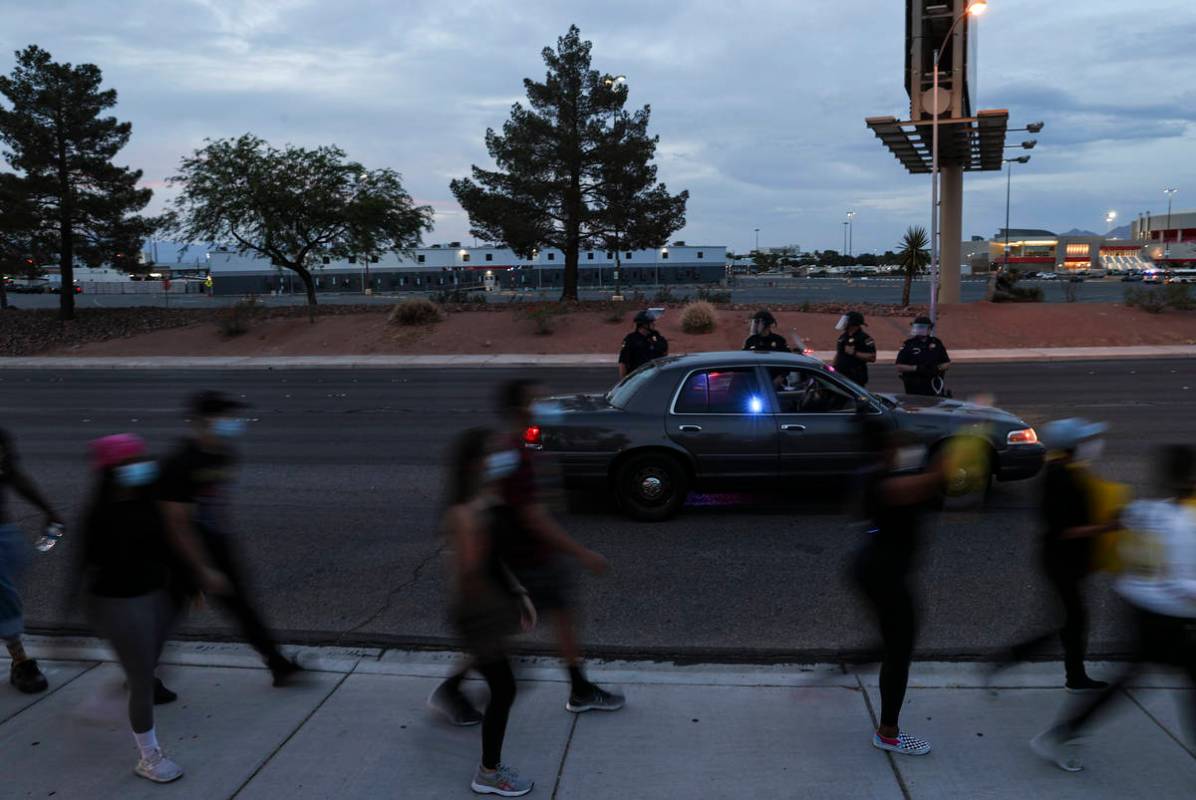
(531, 436)
(1024, 436)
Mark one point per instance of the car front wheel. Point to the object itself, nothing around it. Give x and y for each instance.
(651, 487)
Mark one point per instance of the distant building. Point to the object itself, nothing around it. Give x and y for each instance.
(1043, 250)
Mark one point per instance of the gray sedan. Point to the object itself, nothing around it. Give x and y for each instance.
(723, 421)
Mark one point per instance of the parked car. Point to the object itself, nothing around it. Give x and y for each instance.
(1047, 276)
(726, 420)
(27, 286)
(1131, 278)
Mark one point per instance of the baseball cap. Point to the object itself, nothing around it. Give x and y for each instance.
(212, 403)
(1065, 434)
(108, 451)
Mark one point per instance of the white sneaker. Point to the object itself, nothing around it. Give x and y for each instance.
(1050, 745)
(158, 768)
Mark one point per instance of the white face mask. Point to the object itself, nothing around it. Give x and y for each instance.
(501, 465)
(1090, 449)
(841, 325)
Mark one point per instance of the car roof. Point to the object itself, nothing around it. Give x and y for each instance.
(720, 358)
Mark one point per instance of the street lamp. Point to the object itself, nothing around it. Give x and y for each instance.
(846, 225)
(1008, 191)
(1110, 218)
(1167, 242)
(613, 83)
(974, 8)
(850, 232)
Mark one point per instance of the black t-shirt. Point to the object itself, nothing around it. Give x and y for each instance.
(892, 530)
(639, 349)
(8, 469)
(1066, 504)
(926, 353)
(195, 475)
(518, 546)
(772, 341)
(124, 547)
(848, 365)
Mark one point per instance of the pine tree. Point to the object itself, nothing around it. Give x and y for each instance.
(61, 150)
(574, 169)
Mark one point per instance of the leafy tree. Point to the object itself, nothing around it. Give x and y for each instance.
(913, 257)
(574, 169)
(80, 205)
(292, 205)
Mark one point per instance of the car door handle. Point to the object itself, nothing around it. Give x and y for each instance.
(690, 428)
(793, 428)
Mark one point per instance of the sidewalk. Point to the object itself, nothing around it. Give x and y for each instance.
(358, 728)
(987, 356)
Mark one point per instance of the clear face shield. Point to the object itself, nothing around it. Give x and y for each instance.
(919, 330)
(841, 325)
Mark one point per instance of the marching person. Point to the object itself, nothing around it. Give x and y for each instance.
(488, 604)
(24, 673)
(895, 499)
(855, 349)
(1160, 589)
(1067, 544)
(641, 345)
(923, 360)
(129, 580)
(538, 551)
(195, 486)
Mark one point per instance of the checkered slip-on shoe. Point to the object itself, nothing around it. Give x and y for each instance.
(904, 744)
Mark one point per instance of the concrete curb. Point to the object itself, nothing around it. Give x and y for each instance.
(978, 356)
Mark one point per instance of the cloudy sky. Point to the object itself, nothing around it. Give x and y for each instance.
(759, 104)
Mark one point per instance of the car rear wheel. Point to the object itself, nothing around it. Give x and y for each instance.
(651, 487)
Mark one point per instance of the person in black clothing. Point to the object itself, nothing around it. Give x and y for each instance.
(194, 489)
(895, 498)
(641, 345)
(24, 673)
(855, 349)
(923, 360)
(1067, 544)
(128, 574)
(763, 336)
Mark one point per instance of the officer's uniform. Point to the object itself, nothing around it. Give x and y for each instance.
(639, 349)
(926, 353)
(848, 365)
(773, 341)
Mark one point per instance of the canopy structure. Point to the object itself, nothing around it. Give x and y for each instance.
(973, 144)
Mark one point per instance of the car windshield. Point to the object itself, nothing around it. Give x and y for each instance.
(622, 392)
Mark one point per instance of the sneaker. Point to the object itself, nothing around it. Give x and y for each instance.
(504, 782)
(27, 677)
(158, 768)
(594, 698)
(1050, 745)
(454, 706)
(904, 744)
(162, 695)
(284, 672)
(1086, 684)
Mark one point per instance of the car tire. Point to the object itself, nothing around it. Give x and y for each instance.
(651, 487)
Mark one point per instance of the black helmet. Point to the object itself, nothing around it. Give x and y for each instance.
(924, 320)
(855, 318)
(645, 317)
(765, 316)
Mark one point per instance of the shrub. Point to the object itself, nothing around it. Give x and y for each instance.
(458, 297)
(543, 319)
(699, 317)
(616, 313)
(415, 311)
(1018, 295)
(1149, 299)
(1178, 297)
(715, 296)
(236, 322)
(805, 307)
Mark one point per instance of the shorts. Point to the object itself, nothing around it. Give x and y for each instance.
(14, 555)
(551, 586)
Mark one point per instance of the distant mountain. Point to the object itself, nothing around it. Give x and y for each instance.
(1124, 232)
(1078, 232)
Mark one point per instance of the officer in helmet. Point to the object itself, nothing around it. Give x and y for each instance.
(923, 360)
(764, 337)
(855, 349)
(642, 345)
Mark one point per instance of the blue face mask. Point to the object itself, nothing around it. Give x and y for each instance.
(140, 473)
(228, 427)
(500, 465)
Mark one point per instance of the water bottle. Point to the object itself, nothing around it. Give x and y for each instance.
(50, 538)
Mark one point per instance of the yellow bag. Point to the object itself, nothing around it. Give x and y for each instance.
(966, 458)
(1106, 500)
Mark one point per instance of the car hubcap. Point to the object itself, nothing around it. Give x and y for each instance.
(653, 485)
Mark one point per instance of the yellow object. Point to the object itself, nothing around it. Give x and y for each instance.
(966, 462)
(1106, 500)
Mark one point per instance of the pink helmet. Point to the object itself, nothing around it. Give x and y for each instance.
(115, 449)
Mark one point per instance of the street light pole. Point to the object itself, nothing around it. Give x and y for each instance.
(611, 83)
(757, 250)
(850, 232)
(1008, 194)
(1167, 242)
(845, 225)
(974, 8)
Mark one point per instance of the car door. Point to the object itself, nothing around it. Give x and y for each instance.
(724, 419)
(816, 423)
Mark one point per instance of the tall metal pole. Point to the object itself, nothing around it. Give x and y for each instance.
(1008, 189)
(845, 224)
(934, 191)
(1167, 242)
(757, 240)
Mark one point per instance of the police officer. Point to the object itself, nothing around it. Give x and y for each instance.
(641, 345)
(922, 360)
(763, 336)
(855, 349)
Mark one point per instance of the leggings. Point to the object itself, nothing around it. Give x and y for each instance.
(501, 681)
(887, 589)
(137, 628)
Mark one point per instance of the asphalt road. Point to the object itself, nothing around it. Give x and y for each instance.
(338, 501)
(759, 289)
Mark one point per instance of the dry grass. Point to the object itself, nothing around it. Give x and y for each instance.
(415, 311)
(699, 317)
